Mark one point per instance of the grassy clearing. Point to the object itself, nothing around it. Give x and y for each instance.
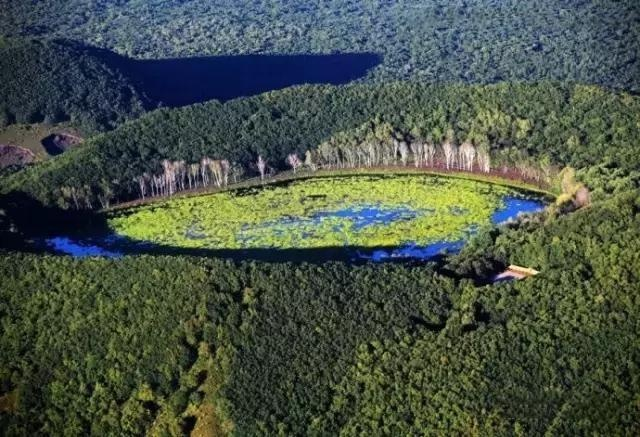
(30, 136)
(420, 209)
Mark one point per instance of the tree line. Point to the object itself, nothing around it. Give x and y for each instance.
(529, 128)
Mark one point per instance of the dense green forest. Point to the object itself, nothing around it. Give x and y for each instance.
(478, 41)
(55, 81)
(575, 125)
(166, 344)
(188, 343)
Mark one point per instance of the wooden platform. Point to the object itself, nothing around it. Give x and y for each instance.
(515, 272)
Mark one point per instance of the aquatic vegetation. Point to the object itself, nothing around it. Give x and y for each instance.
(362, 211)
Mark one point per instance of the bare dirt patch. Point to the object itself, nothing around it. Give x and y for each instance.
(31, 136)
(11, 155)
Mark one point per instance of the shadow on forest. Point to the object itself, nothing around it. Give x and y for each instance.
(22, 218)
(184, 81)
(319, 255)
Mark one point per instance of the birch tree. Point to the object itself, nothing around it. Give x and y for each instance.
(169, 176)
(142, 184)
(216, 172)
(484, 161)
(308, 161)
(226, 168)
(237, 171)
(293, 161)
(194, 170)
(417, 148)
(180, 169)
(403, 150)
(430, 154)
(204, 170)
(467, 154)
(262, 166)
(450, 154)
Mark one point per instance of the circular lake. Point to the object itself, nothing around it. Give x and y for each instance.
(355, 217)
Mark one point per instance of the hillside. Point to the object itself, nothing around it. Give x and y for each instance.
(473, 41)
(298, 217)
(56, 81)
(581, 126)
(166, 345)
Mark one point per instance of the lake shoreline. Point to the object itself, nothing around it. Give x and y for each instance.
(497, 178)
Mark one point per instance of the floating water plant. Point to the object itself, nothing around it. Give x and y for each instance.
(360, 211)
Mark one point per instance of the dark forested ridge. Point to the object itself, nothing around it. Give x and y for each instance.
(576, 125)
(56, 81)
(473, 41)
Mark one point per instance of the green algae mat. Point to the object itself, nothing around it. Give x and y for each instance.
(358, 211)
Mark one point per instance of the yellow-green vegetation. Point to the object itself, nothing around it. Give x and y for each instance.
(364, 211)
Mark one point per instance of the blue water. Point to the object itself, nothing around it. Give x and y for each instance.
(513, 206)
(349, 219)
(185, 81)
(79, 249)
(361, 216)
(358, 217)
(413, 251)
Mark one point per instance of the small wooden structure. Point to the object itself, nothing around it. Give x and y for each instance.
(515, 272)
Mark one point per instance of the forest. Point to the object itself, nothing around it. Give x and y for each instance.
(175, 339)
(471, 41)
(55, 81)
(167, 345)
(534, 126)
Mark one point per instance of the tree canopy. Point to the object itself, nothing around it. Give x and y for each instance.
(55, 81)
(575, 125)
(473, 41)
